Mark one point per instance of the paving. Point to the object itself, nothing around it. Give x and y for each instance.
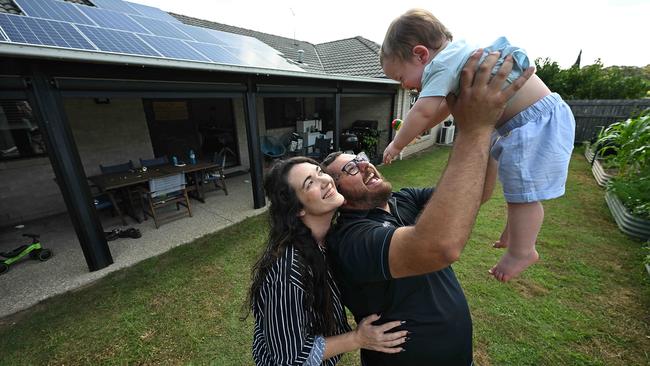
(29, 282)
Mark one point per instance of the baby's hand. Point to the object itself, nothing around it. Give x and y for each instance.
(391, 153)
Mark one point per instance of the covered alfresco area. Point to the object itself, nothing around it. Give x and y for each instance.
(86, 111)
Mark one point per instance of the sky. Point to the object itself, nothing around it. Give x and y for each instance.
(612, 30)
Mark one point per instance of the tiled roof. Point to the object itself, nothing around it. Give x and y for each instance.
(353, 56)
(82, 2)
(8, 6)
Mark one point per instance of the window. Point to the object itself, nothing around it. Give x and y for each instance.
(282, 112)
(20, 136)
(203, 125)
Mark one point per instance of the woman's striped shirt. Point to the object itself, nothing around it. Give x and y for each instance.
(281, 321)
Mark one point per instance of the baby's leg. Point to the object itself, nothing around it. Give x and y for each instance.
(504, 239)
(524, 222)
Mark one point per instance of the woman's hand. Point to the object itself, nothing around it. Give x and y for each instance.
(377, 337)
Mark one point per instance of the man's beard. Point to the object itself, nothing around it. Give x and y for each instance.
(370, 199)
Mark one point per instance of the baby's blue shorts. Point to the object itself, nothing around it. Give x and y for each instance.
(533, 150)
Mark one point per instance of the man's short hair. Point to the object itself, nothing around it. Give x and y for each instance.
(330, 158)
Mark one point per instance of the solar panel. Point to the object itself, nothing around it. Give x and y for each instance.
(116, 5)
(198, 33)
(161, 28)
(239, 41)
(21, 29)
(112, 19)
(228, 39)
(173, 48)
(215, 53)
(268, 61)
(110, 40)
(122, 27)
(55, 10)
(152, 12)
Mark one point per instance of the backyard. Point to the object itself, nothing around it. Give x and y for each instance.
(587, 302)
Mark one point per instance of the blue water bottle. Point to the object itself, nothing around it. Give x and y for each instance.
(192, 157)
(174, 160)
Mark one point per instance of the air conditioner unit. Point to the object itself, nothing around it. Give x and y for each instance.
(446, 133)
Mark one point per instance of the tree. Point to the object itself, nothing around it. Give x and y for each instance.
(594, 81)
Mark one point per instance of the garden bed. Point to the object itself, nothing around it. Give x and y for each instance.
(589, 152)
(626, 222)
(601, 174)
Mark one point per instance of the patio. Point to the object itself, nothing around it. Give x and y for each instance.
(29, 282)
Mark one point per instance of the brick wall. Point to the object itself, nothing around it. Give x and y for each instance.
(109, 134)
(104, 133)
(28, 191)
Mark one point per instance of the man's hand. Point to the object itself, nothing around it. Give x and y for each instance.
(482, 101)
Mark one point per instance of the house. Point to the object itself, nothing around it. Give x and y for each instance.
(86, 82)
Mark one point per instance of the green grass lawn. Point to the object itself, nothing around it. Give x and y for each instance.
(585, 303)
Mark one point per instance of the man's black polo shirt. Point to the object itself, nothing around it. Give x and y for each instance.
(433, 305)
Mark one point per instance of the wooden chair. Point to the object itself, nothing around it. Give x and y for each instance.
(163, 160)
(216, 175)
(117, 168)
(128, 194)
(162, 192)
(105, 200)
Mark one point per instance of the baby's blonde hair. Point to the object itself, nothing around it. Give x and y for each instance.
(415, 27)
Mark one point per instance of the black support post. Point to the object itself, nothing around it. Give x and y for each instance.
(254, 152)
(46, 101)
(337, 119)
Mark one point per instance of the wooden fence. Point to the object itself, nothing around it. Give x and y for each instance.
(592, 115)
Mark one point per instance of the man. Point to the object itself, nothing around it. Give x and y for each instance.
(393, 250)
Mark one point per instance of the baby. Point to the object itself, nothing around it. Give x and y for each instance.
(532, 143)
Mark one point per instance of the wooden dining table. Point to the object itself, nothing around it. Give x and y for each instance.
(110, 183)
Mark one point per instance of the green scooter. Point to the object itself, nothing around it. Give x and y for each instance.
(34, 250)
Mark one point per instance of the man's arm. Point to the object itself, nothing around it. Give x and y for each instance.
(442, 230)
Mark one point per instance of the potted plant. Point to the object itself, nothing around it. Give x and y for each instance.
(628, 193)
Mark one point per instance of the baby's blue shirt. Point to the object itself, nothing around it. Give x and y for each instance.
(442, 75)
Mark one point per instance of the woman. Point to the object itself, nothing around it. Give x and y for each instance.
(299, 317)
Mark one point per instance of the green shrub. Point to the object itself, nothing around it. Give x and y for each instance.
(594, 81)
(626, 146)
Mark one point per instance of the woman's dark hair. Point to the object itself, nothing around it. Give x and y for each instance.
(286, 229)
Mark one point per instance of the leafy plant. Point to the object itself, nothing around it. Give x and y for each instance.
(634, 193)
(626, 146)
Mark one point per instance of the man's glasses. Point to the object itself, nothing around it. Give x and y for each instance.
(352, 166)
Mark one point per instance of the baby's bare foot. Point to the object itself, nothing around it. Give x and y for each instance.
(500, 244)
(503, 240)
(511, 265)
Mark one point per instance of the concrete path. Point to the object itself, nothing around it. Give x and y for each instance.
(29, 281)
